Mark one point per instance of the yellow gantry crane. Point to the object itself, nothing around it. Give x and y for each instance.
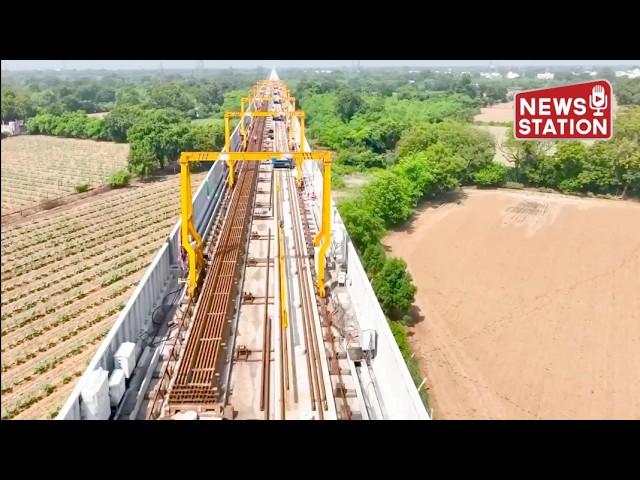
(263, 90)
(187, 228)
(227, 136)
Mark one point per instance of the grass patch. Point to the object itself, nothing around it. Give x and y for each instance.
(81, 187)
(119, 179)
(399, 331)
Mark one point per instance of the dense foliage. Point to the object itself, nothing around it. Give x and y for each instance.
(68, 124)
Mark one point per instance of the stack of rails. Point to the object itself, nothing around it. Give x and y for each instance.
(196, 384)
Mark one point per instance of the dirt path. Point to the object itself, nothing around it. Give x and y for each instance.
(530, 305)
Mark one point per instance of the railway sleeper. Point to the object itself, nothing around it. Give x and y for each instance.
(340, 391)
(338, 355)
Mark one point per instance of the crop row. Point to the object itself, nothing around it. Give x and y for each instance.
(47, 364)
(26, 402)
(112, 202)
(75, 272)
(152, 232)
(63, 246)
(78, 228)
(79, 247)
(38, 314)
(109, 202)
(62, 319)
(86, 215)
(103, 276)
(65, 330)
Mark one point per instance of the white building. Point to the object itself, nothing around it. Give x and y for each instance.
(545, 76)
(12, 128)
(635, 73)
(512, 75)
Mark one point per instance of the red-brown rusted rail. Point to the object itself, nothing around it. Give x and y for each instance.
(196, 383)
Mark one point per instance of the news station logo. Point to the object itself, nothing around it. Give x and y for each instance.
(572, 112)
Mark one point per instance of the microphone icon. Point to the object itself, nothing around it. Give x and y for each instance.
(598, 100)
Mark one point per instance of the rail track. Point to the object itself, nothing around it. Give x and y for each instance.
(317, 390)
(196, 384)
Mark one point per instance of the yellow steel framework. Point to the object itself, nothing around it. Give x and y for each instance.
(241, 114)
(282, 275)
(196, 260)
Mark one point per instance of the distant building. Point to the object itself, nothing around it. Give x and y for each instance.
(13, 128)
(490, 75)
(635, 73)
(545, 76)
(512, 75)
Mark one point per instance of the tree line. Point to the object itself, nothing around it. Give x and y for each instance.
(198, 96)
(155, 136)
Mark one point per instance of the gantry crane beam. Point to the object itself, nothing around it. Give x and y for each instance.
(243, 132)
(194, 252)
(242, 114)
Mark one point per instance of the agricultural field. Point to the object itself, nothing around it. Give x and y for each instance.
(37, 167)
(66, 274)
(500, 112)
(527, 306)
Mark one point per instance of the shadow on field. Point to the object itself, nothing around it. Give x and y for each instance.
(416, 317)
(172, 170)
(457, 197)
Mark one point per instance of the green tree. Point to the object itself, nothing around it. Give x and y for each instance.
(415, 169)
(393, 286)
(209, 136)
(568, 162)
(15, 105)
(627, 166)
(373, 259)
(120, 119)
(157, 138)
(445, 169)
(474, 147)
(628, 91)
(170, 95)
(492, 175)
(360, 157)
(349, 103)
(128, 95)
(524, 154)
(390, 197)
(364, 227)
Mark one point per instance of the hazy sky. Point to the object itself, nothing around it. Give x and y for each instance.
(188, 64)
